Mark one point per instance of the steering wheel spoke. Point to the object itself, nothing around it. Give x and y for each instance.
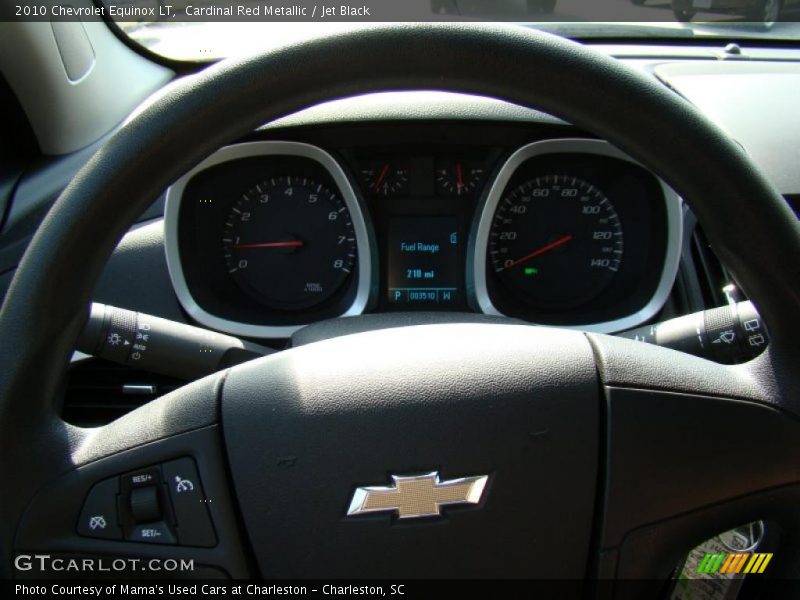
(692, 449)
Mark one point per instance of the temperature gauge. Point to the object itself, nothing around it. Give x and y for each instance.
(386, 178)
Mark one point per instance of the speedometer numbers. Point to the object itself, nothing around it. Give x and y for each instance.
(556, 242)
(289, 242)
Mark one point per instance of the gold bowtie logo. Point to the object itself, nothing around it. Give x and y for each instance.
(418, 495)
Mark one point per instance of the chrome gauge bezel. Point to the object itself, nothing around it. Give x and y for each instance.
(248, 150)
(479, 292)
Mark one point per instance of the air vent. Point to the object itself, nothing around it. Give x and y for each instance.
(712, 276)
(99, 391)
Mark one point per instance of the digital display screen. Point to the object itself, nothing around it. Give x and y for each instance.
(423, 260)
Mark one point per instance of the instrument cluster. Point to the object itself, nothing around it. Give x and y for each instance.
(264, 237)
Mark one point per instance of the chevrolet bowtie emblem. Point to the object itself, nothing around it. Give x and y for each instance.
(417, 496)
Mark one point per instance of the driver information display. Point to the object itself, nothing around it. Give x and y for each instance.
(423, 260)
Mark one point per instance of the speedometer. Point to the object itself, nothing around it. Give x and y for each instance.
(289, 242)
(556, 242)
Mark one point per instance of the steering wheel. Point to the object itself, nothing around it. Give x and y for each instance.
(591, 455)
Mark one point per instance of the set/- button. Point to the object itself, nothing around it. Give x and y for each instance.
(152, 533)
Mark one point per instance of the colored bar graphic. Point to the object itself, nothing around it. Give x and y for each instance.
(733, 563)
(718, 558)
(703, 564)
(727, 566)
(740, 560)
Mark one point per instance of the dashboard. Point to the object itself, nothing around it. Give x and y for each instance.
(273, 233)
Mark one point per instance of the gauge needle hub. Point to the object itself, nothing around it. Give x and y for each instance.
(551, 246)
(289, 244)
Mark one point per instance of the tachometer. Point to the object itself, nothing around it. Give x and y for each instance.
(556, 242)
(289, 242)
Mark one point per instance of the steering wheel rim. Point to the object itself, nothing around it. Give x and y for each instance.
(47, 302)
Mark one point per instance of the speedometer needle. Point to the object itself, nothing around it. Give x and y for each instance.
(292, 244)
(551, 246)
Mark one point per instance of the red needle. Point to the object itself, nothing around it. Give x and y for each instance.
(551, 246)
(460, 180)
(382, 176)
(292, 244)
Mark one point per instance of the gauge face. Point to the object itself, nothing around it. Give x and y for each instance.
(386, 178)
(555, 241)
(457, 177)
(289, 242)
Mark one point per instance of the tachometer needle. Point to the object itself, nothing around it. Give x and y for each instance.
(551, 246)
(291, 244)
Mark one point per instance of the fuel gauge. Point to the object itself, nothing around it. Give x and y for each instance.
(457, 177)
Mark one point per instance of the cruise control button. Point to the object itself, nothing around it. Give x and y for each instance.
(99, 515)
(152, 533)
(190, 503)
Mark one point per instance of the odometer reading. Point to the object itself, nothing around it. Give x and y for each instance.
(289, 242)
(556, 241)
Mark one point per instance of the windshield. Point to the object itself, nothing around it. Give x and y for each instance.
(202, 30)
(215, 40)
(212, 29)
